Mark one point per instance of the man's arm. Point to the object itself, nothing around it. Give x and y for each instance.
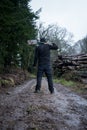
(53, 46)
(35, 56)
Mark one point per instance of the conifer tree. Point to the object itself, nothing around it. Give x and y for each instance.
(17, 25)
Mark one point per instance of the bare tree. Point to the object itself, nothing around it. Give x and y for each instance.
(83, 45)
(58, 35)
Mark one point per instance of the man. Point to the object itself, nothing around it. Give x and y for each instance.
(42, 55)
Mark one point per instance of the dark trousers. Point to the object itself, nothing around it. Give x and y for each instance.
(48, 72)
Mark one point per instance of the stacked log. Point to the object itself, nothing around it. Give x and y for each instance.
(77, 63)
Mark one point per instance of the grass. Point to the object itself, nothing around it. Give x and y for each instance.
(32, 75)
(60, 80)
(65, 82)
(74, 86)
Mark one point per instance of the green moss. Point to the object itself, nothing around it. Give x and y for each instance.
(11, 81)
(4, 82)
(7, 82)
(32, 75)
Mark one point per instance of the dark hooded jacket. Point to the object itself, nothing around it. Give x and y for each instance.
(42, 53)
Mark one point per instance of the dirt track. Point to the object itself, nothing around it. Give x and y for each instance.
(22, 109)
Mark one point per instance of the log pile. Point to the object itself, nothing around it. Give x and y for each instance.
(77, 63)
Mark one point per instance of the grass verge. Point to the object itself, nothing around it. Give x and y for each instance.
(75, 86)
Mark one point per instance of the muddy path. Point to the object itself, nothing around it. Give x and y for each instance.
(22, 109)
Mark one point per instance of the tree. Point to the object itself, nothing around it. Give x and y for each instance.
(58, 35)
(17, 25)
(83, 45)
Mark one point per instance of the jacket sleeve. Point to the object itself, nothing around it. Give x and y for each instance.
(53, 46)
(35, 56)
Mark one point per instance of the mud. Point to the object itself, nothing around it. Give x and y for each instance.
(22, 109)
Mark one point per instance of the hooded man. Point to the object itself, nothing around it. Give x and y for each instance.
(42, 56)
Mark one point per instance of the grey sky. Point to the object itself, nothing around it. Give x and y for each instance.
(71, 14)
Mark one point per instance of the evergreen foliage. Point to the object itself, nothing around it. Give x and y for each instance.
(17, 25)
